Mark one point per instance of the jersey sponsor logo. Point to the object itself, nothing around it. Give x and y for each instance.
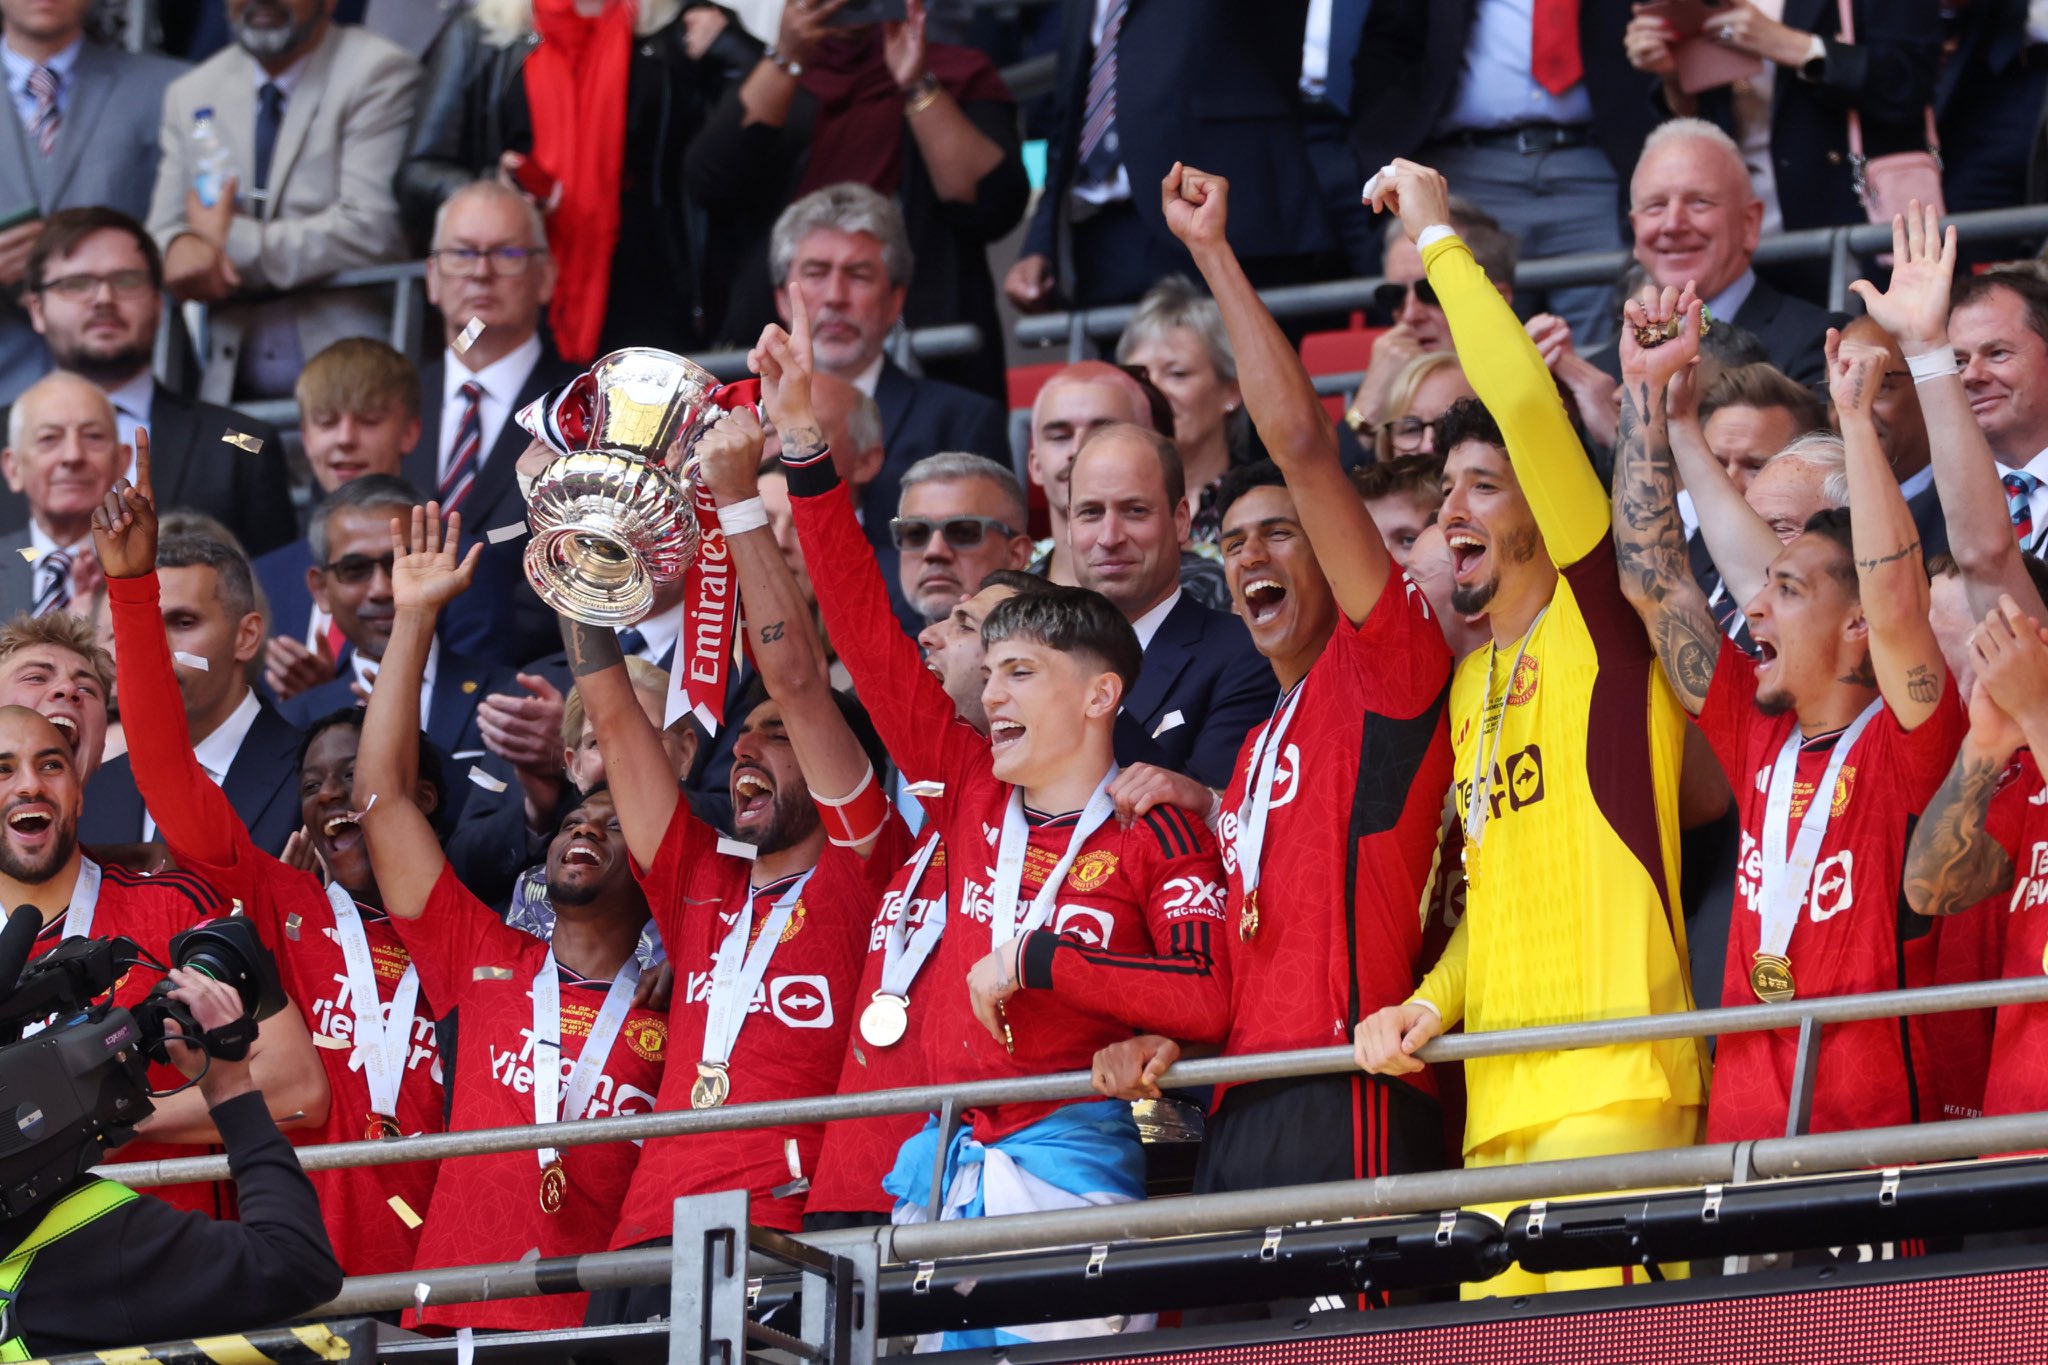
(895, 906)
(2031, 890)
(1522, 690)
(1188, 896)
(1517, 782)
(513, 1069)
(1833, 889)
(801, 1001)
(2039, 798)
(1416, 597)
(1286, 775)
(648, 1038)
(1091, 870)
(1084, 924)
(335, 1017)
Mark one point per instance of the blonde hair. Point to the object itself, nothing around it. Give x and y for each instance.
(65, 631)
(645, 678)
(1401, 395)
(360, 376)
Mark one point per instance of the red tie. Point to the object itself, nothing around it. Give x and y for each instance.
(1554, 46)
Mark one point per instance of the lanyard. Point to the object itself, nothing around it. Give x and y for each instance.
(1258, 798)
(905, 951)
(1786, 877)
(736, 973)
(548, 1104)
(1003, 922)
(381, 1041)
(85, 899)
(1484, 758)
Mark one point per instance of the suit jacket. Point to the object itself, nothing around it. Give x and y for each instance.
(262, 786)
(17, 574)
(1215, 87)
(1411, 56)
(501, 620)
(1794, 333)
(923, 417)
(192, 466)
(330, 205)
(106, 153)
(1203, 688)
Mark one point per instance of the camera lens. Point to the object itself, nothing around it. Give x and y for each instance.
(229, 951)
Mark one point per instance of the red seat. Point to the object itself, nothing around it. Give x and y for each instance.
(1345, 352)
(1027, 380)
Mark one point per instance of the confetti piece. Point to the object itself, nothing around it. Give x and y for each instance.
(192, 661)
(422, 1289)
(505, 533)
(465, 1337)
(291, 926)
(733, 848)
(355, 817)
(411, 1220)
(792, 1159)
(242, 440)
(28, 552)
(466, 338)
(332, 1044)
(925, 788)
(490, 974)
(485, 780)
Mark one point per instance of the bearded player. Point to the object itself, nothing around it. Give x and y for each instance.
(548, 1029)
(1070, 928)
(1325, 876)
(1833, 739)
(336, 950)
(1571, 841)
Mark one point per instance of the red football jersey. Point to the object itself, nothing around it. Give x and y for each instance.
(291, 912)
(2018, 819)
(150, 910)
(795, 1033)
(859, 1152)
(1351, 835)
(1847, 940)
(487, 1208)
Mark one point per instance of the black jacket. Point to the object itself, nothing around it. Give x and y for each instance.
(262, 786)
(1794, 333)
(147, 1272)
(1203, 687)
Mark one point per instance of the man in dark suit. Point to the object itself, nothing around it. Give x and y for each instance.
(1204, 684)
(489, 265)
(209, 613)
(62, 458)
(1142, 84)
(93, 289)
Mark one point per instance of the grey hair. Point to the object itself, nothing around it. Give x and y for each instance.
(846, 207)
(1175, 302)
(950, 465)
(1823, 450)
(17, 412)
(1694, 130)
(234, 584)
(370, 493)
(536, 226)
(864, 426)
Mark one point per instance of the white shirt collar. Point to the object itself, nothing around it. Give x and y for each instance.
(365, 672)
(866, 380)
(1726, 304)
(1914, 485)
(1147, 626)
(501, 379)
(288, 79)
(2038, 467)
(39, 541)
(19, 67)
(216, 753)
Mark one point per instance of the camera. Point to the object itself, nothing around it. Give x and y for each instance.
(74, 1069)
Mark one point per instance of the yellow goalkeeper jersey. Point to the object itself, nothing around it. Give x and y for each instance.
(1572, 911)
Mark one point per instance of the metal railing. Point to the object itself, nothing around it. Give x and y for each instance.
(1841, 247)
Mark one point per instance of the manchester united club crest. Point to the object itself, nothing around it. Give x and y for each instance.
(1091, 870)
(1522, 690)
(1845, 782)
(647, 1037)
(795, 925)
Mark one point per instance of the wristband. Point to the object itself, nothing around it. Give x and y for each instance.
(738, 518)
(1932, 365)
(857, 817)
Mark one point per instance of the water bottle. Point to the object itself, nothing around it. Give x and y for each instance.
(212, 163)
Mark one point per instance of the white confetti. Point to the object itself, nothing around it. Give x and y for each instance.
(420, 1292)
(242, 440)
(466, 338)
(925, 788)
(28, 552)
(192, 661)
(733, 848)
(505, 533)
(465, 1346)
(485, 780)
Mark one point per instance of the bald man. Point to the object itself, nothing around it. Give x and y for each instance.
(63, 454)
(1079, 400)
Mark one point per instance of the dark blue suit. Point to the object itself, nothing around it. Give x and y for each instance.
(1204, 687)
(261, 784)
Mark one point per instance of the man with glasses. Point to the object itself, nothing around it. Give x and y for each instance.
(93, 287)
(490, 275)
(960, 517)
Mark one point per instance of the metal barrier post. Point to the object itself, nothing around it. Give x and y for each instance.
(1841, 269)
(948, 1122)
(708, 1280)
(1805, 1073)
(1077, 338)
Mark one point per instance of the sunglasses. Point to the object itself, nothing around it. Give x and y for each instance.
(959, 533)
(1392, 298)
(353, 570)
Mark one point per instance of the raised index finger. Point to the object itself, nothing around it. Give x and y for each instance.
(142, 461)
(799, 326)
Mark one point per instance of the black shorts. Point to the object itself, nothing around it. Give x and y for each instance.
(1315, 1129)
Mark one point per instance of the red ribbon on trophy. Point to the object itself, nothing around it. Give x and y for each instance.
(704, 650)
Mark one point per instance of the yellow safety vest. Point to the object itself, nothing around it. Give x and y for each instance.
(86, 1204)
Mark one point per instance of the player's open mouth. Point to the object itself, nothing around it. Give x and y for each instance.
(30, 821)
(752, 793)
(1263, 599)
(581, 853)
(342, 833)
(1004, 733)
(66, 727)
(1466, 552)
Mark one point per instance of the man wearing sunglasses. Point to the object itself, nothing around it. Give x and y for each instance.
(959, 518)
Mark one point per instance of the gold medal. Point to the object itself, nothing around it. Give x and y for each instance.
(885, 1020)
(1248, 917)
(712, 1086)
(554, 1183)
(381, 1126)
(1770, 976)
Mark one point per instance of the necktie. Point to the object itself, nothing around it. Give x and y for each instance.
(631, 641)
(2019, 501)
(469, 444)
(1554, 46)
(269, 113)
(1347, 21)
(42, 129)
(54, 592)
(1098, 151)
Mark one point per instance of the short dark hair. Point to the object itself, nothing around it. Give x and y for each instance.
(66, 228)
(1171, 471)
(369, 493)
(1241, 479)
(1833, 523)
(430, 769)
(233, 583)
(1155, 399)
(2032, 292)
(1467, 420)
(1016, 580)
(850, 709)
(1732, 346)
(1414, 476)
(1763, 387)
(1072, 621)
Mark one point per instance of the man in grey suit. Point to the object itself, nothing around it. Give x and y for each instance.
(67, 97)
(314, 116)
(63, 454)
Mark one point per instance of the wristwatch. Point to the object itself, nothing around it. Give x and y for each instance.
(787, 65)
(920, 96)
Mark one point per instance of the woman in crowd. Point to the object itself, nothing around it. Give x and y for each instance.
(1176, 337)
(1418, 396)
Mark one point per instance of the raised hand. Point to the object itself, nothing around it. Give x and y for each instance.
(2012, 665)
(1855, 375)
(1416, 193)
(729, 457)
(525, 731)
(1655, 308)
(124, 524)
(1197, 206)
(425, 573)
(903, 46)
(1915, 308)
(783, 360)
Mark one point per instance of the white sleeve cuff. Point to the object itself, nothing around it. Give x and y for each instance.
(1429, 1005)
(1433, 234)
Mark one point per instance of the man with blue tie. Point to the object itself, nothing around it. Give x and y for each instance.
(63, 454)
(1998, 324)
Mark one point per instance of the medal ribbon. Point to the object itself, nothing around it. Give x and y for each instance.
(904, 953)
(381, 1042)
(548, 1104)
(1258, 797)
(85, 898)
(737, 971)
(1483, 758)
(1787, 878)
(1009, 878)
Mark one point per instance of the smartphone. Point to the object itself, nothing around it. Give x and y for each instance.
(535, 180)
(857, 12)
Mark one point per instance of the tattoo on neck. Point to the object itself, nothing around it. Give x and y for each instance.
(1863, 674)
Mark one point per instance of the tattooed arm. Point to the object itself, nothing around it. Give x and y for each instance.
(636, 767)
(1953, 861)
(1649, 538)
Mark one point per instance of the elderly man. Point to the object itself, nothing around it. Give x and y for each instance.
(1999, 328)
(314, 115)
(63, 454)
(960, 518)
